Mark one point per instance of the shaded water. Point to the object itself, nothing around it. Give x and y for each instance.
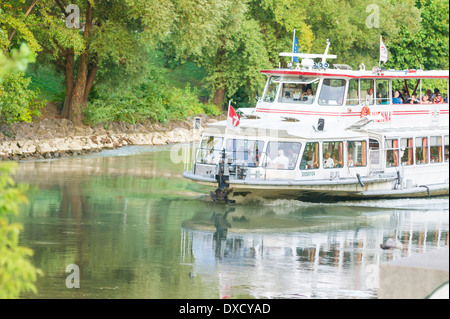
(137, 229)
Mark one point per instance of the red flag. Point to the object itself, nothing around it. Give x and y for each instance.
(233, 118)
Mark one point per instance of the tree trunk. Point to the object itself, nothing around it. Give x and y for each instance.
(220, 81)
(82, 81)
(219, 96)
(76, 104)
(90, 82)
(69, 78)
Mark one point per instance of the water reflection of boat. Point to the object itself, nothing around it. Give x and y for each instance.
(303, 254)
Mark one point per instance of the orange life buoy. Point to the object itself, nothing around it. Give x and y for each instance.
(365, 111)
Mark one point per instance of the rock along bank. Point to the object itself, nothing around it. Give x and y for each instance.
(54, 138)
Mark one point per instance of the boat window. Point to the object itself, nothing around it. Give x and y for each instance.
(310, 158)
(421, 150)
(282, 155)
(436, 149)
(374, 151)
(367, 91)
(272, 89)
(332, 92)
(210, 150)
(382, 92)
(356, 153)
(244, 152)
(353, 93)
(392, 153)
(299, 93)
(332, 154)
(406, 146)
(446, 149)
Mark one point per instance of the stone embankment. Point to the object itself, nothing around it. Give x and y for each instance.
(53, 138)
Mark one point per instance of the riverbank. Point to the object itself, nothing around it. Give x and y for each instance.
(56, 137)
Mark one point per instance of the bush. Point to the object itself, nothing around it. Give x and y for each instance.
(17, 274)
(154, 100)
(17, 101)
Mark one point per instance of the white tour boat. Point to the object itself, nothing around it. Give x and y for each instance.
(324, 132)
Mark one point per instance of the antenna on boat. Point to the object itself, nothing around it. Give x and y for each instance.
(307, 61)
(324, 57)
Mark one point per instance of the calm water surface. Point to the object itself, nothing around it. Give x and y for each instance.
(137, 229)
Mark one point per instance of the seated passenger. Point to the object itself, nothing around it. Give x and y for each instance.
(413, 99)
(404, 96)
(328, 161)
(350, 162)
(438, 98)
(381, 99)
(436, 92)
(308, 95)
(281, 161)
(396, 99)
(425, 100)
(369, 96)
(292, 156)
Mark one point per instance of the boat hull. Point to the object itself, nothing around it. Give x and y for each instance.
(324, 190)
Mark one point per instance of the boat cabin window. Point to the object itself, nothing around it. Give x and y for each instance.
(272, 88)
(282, 155)
(310, 158)
(392, 153)
(446, 149)
(299, 92)
(374, 151)
(367, 91)
(353, 92)
(406, 146)
(382, 92)
(210, 150)
(332, 92)
(356, 153)
(436, 149)
(421, 150)
(332, 154)
(244, 152)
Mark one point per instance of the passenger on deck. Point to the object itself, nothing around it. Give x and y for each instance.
(413, 99)
(436, 92)
(425, 100)
(308, 96)
(438, 99)
(328, 161)
(404, 96)
(396, 99)
(350, 162)
(369, 96)
(281, 161)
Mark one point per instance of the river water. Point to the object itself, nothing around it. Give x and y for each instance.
(130, 226)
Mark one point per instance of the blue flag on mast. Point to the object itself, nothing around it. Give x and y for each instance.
(294, 47)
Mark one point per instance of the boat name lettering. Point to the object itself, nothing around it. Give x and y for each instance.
(386, 115)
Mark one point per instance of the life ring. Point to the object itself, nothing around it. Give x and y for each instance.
(365, 111)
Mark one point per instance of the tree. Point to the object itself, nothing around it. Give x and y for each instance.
(17, 274)
(428, 48)
(110, 33)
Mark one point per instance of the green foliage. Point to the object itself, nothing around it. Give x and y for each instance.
(427, 49)
(46, 82)
(17, 274)
(12, 19)
(16, 62)
(153, 100)
(17, 101)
